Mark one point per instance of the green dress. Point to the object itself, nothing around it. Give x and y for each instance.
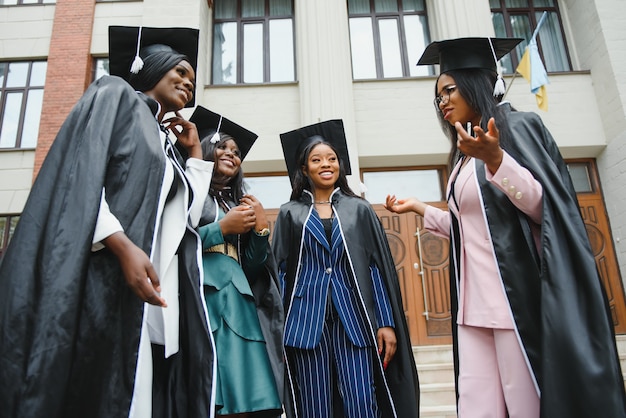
(245, 382)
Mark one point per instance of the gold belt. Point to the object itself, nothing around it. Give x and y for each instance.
(226, 249)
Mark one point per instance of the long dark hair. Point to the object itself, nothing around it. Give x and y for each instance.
(301, 182)
(218, 182)
(476, 87)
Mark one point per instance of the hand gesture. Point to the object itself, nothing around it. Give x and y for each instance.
(484, 146)
(387, 343)
(259, 212)
(392, 204)
(186, 134)
(137, 268)
(238, 220)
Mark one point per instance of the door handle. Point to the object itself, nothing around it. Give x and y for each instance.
(421, 272)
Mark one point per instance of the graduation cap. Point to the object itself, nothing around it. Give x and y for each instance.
(466, 53)
(210, 123)
(129, 44)
(295, 141)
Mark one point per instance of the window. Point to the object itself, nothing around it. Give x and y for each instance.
(7, 227)
(272, 191)
(21, 96)
(387, 38)
(425, 184)
(14, 2)
(100, 68)
(253, 41)
(519, 18)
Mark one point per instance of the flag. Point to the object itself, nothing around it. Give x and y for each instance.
(532, 69)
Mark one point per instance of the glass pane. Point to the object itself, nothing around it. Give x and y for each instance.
(390, 48)
(362, 47)
(3, 69)
(552, 44)
(31, 119)
(272, 191)
(7, 2)
(12, 109)
(253, 53)
(102, 68)
(520, 25)
(358, 6)
(386, 6)
(18, 74)
(413, 5)
(580, 177)
(225, 53)
(38, 74)
(14, 220)
(494, 4)
(544, 3)
(423, 184)
(252, 8)
(281, 50)
(225, 9)
(416, 31)
(30, 1)
(3, 228)
(280, 8)
(515, 3)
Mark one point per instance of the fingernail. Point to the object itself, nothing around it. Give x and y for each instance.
(385, 366)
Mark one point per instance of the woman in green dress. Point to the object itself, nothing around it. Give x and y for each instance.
(240, 284)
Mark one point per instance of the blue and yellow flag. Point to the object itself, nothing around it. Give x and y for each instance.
(532, 69)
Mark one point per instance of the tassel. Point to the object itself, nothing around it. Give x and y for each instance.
(137, 65)
(499, 89)
(215, 138)
(137, 62)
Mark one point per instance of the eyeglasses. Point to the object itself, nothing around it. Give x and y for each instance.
(444, 97)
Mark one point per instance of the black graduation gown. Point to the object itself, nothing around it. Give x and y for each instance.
(557, 299)
(69, 324)
(365, 240)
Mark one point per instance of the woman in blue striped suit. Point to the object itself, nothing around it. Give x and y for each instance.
(347, 346)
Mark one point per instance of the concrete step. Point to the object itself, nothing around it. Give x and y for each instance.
(435, 373)
(438, 412)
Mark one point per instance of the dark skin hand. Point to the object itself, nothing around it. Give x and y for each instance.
(386, 338)
(259, 212)
(484, 146)
(186, 134)
(238, 220)
(137, 268)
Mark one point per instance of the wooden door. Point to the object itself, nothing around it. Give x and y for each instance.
(422, 267)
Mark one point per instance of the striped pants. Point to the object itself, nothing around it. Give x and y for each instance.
(335, 361)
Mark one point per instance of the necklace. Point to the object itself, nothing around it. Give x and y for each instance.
(323, 202)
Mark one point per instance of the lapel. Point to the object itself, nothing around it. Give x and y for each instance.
(316, 228)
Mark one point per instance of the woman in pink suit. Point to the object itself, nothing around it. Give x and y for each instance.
(532, 332)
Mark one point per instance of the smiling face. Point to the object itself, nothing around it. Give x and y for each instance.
(227, 159)
(454, 107)
(322, 167)
(175, 89)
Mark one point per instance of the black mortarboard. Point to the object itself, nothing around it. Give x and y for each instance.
(127, 43)
(208, 123)
(295, 141)
(465, 53)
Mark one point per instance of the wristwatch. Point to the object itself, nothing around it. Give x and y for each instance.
(263, 232)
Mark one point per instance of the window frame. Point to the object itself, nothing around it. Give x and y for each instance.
(399, 17)
(6, 235)
(25, 90)
(530, 12)
(241, 22)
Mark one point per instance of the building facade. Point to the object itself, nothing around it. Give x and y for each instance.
(276, 65)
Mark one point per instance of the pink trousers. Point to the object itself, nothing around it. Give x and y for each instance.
(493, 375)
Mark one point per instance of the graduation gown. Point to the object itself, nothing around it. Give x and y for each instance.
(69, 324)
(397, 388)
(556, 297)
